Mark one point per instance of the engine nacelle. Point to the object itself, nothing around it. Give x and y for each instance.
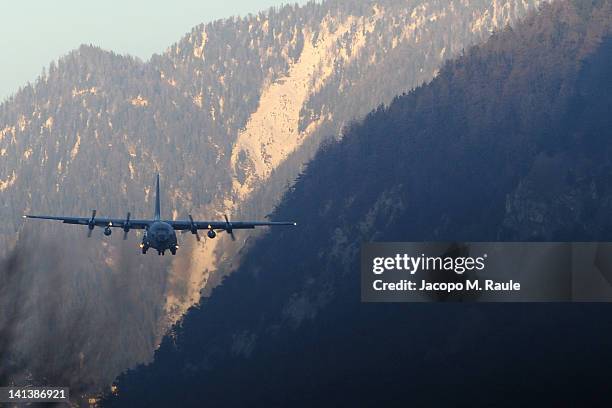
(107, 231)
(211, 234)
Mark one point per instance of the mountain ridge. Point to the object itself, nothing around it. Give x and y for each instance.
(445, 162)
(91, 133)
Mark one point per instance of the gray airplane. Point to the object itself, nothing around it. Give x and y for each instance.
(160, 234)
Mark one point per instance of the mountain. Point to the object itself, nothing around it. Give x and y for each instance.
(228, 115)
(509, 142)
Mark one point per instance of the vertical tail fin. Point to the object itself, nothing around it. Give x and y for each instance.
(157, 206)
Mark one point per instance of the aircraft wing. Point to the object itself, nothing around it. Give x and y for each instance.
(224, 225)
(141, 224)
(99, 222)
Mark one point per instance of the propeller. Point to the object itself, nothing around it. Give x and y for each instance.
(193, 228)
(228, 227)
(126, 226)
(92, 223)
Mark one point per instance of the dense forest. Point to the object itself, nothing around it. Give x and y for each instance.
(228, 115)
(511, 141)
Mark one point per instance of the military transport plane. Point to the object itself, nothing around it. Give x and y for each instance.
(160, 234)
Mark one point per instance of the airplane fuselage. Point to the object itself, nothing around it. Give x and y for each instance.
(160, 236)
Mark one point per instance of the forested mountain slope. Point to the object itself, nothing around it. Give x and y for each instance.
(510, 142)
(227, 115)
